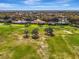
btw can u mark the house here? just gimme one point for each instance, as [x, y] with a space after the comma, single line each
[74, 21]
[38, 21]
[63, 20]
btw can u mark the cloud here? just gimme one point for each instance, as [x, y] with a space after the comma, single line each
[53, 2]
[63, 1]
[37, 5]
[7, 6]
[31, 2]
[66, 5]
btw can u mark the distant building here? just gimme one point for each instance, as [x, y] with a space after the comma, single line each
[75, 21]
[38, 21]
[63, 20]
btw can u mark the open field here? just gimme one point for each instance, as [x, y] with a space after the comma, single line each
[64, 45]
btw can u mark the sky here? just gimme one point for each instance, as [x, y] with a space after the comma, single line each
[39, 4]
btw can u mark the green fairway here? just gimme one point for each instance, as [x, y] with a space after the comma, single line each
[63, 45]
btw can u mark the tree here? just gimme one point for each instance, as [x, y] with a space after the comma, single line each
[28, 21]
[7, 20]
[26, 34]
[35, 33]
[49, 31]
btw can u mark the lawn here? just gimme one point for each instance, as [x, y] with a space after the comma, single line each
[64, 45]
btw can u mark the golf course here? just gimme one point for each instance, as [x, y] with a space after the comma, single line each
[64, 44]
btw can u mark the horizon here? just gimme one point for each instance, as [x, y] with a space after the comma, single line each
[41, 10]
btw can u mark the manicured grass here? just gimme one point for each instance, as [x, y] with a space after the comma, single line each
[24, 51]
[60, 46]
[73, 39]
